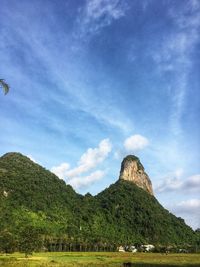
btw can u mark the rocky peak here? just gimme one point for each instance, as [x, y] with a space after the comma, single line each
[132, 170]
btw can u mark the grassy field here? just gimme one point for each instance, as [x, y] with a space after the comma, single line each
[101, 259]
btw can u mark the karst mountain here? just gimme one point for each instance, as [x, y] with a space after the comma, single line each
[126, 212]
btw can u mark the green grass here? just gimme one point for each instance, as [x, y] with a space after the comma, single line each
[99, 259]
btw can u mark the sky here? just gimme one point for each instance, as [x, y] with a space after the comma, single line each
[92, 81]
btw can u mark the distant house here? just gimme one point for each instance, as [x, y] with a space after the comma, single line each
[183, 250]
[132, 249]
[5, 193]
[121, 249]
[148, 247]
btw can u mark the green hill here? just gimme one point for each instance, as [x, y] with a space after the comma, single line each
[33, 200]
[138, 216]
[27, 183]
[30, 194]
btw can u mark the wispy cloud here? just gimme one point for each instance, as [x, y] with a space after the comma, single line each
[190, 210]
[171, 182]
[61, 170]
[178, 184]
[189, 206]
[91, 158]
[67, 85]
[84, 181]
[96, 9]
[88, 161]
[97, 14]
[174, 55]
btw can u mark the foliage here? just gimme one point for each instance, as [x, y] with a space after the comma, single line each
[4, 86]
[197, 232]
[138, 216]
[37, 206]
[7, 241]
[30, 240]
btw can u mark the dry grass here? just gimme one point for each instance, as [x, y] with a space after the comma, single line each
[101, 259]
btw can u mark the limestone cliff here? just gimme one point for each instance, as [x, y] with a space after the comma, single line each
[132, 170]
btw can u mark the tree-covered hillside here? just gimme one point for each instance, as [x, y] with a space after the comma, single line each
[31, 195]
[39, 209]
[138, 216]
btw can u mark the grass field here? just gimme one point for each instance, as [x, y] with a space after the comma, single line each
[99, 259]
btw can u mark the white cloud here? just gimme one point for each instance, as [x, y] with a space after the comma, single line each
[193, 183]
[31, 158]
[82, 181]
[189, 210]
[98, 8]
[135, 143]
[195, 4]
[91, 158]
[61, 170]
[88, 161]
[100, 13]
[176, 183]
[170, 184]
[178, 173]
[189, 206]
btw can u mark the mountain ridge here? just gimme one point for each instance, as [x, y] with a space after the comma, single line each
[123, 213]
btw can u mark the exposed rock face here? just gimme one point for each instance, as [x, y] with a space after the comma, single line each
[132, 170]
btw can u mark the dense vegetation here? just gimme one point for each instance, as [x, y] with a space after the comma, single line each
[4, 86]
[39, 211]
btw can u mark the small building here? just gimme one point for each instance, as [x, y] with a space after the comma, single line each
[133, 249]
[121, 249]
[5, 193]
[148, 247]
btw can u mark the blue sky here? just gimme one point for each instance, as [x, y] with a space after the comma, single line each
[94, 80]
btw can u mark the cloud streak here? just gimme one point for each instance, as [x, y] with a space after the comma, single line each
[92, 158]
[84, 181]
[61, 170]
[189, 206]
[175, 57]
[73, 93]
[98, 14]
[189, 185]
[190, 210]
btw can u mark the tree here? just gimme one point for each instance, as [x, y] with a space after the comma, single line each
[7, 241]
[30, 240]
[4, 86]
[197, 232]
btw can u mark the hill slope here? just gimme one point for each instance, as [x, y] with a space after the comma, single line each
[139, 217]
[122, 214]
[27, 183]
[30, 192]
